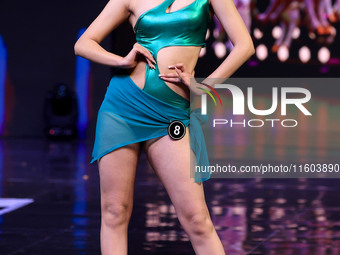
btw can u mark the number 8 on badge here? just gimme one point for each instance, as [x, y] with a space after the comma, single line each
[176, 130]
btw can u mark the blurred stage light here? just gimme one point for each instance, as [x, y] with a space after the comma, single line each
[202, 52]
[220, 50]
[216, 33]
[277, 32]
[283, 53]
[296, 33]
[304, 54]
[258, 33]
[333, 31]
[312, 35]
[3, 76]
[261, 52]
[324, 55]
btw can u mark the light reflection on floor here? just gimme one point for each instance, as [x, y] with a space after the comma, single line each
[252, 216]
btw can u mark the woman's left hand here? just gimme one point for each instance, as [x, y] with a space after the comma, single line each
[181, 75]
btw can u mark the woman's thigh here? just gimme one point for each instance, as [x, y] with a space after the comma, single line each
[170, 160]
[117, 171]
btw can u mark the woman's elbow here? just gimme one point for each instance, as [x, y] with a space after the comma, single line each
[246, 47]
[250, 48]
[76, 48]
[79, 46]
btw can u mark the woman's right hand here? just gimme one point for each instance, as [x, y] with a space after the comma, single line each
[130, 60]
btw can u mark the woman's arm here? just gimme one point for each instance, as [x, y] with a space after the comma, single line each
[88, 45]
[234, 26]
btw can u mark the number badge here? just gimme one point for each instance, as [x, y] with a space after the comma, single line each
[176, 130]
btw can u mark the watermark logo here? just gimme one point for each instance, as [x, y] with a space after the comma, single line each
[238, 108]
[208, 92]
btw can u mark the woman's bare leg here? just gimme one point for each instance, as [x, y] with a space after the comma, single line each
[117, 176]
[171, 161]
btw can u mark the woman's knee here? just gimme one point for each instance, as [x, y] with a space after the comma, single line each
[197, 223]
[115, 214]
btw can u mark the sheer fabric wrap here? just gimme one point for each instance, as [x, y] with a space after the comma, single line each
[129, 115]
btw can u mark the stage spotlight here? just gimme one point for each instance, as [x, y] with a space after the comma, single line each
[296, 33]
[277, 32]
[324, 55]
[304, 54]
[220, 50]
[258, 34]
[207, 35]
[216, 33]
[60, 112]
[283, 53]
[333, 31]
[312, 35]
[261, 52]
[202, 52]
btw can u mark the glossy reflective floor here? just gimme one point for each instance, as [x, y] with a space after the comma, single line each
[59, 213]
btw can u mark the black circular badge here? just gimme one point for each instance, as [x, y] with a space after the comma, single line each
[176, 130]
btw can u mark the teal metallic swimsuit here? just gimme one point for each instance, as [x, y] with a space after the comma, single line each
[129, 114]
[156, 29]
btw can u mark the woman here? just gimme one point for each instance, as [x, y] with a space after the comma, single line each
[170, 34]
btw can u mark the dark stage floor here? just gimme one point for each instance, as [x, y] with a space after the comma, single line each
[54, 208]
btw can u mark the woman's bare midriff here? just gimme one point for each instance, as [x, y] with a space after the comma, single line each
[188, 55]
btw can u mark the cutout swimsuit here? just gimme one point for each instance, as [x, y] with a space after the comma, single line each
[156, 29]
[129, 114]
